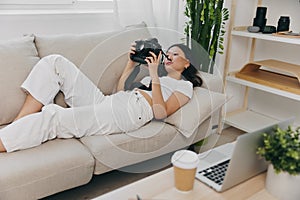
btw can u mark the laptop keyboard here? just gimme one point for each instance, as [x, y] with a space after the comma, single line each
[216, 173]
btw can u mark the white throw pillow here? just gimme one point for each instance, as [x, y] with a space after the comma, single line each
[17, 57]
[203, 103]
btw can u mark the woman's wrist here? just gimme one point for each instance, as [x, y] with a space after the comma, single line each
[153, 72]
[155, 80]
[130, 63]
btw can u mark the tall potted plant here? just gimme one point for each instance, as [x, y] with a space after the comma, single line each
[282, 150]
[205, 30]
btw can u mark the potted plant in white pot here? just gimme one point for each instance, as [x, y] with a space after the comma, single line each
[282, 150]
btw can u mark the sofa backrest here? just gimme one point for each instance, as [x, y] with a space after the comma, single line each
[101, 56]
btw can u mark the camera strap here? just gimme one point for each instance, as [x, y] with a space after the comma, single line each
[131, 77]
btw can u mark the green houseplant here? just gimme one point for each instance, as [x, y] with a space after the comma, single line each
[282, 150]
[205, 30]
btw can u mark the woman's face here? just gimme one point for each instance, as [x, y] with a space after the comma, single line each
[177, 61]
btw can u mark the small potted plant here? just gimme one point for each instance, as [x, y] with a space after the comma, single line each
[282, 150]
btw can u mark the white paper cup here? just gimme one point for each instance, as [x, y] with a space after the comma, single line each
[185, 163]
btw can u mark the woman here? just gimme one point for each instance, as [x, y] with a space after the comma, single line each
[91, 112]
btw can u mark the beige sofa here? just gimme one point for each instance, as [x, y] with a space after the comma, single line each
[61, 164]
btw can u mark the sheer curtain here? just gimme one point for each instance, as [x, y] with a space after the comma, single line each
[155, 13]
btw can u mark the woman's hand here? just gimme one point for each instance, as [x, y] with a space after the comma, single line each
[153, 62]
[131, 51]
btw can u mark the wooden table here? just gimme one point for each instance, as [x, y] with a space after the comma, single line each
[160, 186]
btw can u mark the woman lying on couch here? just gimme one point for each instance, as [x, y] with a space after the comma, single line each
[91, 112]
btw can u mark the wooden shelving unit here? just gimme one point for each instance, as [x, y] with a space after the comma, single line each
[272, 76]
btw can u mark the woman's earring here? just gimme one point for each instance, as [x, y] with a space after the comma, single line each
[188, 64]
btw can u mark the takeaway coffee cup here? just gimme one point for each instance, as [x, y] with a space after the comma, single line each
[184, 164]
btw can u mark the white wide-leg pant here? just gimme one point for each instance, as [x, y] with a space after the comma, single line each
[90, 112]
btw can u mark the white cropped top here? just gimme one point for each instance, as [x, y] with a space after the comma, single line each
[170, 85]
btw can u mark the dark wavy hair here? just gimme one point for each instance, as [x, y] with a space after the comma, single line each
[191, 73]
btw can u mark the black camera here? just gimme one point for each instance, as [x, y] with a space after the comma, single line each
[143, 48]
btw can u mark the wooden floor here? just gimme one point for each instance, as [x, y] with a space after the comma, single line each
[104, 183]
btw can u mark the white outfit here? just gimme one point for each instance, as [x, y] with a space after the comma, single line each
[91, 112]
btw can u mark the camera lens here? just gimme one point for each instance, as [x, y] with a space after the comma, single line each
[283, 23]
[140, 47]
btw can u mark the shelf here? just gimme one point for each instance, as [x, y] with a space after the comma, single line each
[269, 37]
[268, 89]
[254, 72]
[249, 121]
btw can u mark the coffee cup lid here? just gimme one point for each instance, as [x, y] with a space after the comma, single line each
[185, 159]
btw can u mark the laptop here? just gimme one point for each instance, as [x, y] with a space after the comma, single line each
[230, 164]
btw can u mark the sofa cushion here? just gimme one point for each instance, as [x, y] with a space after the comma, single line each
[150, 141]
[203, 103]
[52, 167]
[118, 150]
[75, 47]
[17, 57]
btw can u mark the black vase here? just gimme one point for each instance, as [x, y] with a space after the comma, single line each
[260, 18]
[283, 24]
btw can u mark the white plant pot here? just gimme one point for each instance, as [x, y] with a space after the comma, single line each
[283, 185]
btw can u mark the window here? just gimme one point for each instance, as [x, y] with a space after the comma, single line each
[36, 2]
[63, 6]
[51, 2]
